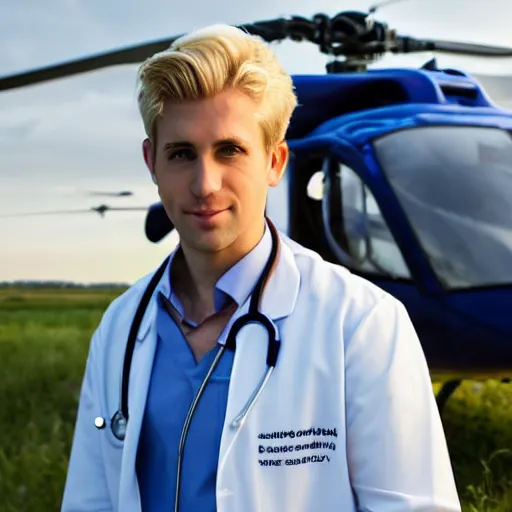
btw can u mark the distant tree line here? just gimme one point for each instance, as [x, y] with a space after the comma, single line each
[60, 284]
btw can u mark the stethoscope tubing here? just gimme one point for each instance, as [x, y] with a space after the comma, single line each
[119, 420]
[188, 420]
[253, 316]
[132, 337]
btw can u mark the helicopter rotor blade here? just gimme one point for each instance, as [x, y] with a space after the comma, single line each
[128, 55]
[125, 209]
[348, 33]
[102, 209]
[37, 214]
[410, 44]
[473, 49]
[271, 30]
[122, 193]
[384, 3]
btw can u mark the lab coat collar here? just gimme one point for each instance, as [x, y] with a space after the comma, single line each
[278, 300]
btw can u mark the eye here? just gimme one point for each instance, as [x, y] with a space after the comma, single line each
[230, 151]
[181, 154]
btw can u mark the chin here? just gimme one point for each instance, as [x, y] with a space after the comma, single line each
[211, 242]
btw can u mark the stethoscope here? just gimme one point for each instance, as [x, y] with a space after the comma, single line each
[119, 421]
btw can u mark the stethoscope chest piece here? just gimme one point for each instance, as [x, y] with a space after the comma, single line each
[119, 424]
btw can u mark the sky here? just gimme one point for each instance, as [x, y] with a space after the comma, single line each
[63, 139]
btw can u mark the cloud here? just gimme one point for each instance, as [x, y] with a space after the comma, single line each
[62, 138]
[51, 29]
[84, 132]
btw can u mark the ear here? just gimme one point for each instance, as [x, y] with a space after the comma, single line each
[149, 153]
[279, 159]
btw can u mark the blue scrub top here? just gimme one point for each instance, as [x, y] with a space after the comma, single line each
[175, 380]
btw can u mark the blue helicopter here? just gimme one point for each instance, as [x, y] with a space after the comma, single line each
[404, 176]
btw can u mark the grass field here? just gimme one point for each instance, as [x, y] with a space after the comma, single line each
[44, 337]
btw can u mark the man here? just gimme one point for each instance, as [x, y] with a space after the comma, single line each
[347, 419]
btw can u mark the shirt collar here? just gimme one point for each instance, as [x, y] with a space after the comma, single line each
[239, 281]
[236, 283]
[279, 298]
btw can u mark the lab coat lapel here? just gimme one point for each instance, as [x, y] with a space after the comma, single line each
[249, 366]
[129, 498]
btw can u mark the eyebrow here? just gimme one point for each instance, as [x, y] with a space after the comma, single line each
[235, 141]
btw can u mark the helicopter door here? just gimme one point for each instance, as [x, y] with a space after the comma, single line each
[355, 229]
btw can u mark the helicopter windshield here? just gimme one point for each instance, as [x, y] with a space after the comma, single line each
[455, 185]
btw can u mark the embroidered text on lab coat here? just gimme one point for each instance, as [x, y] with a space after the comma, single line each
[300, 433]
[299, 446]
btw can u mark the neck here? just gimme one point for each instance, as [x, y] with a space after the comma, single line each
[199, 271]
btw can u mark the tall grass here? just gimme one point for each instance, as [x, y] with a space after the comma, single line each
[44, 338]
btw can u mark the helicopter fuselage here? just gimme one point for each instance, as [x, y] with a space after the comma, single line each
[413, 174]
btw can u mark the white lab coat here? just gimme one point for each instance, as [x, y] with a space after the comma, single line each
[350, 400]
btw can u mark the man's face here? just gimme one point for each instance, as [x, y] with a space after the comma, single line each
[213, 171]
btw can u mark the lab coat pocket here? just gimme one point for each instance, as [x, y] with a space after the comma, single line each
[112, 452]
[113, 442]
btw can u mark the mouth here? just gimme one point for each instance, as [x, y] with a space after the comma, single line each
[206, 212]
[205, 215]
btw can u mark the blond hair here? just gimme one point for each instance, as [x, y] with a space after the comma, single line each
[210, 60]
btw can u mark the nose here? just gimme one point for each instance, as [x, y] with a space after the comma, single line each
[207, 177]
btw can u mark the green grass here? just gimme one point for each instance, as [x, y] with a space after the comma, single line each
[44, 338]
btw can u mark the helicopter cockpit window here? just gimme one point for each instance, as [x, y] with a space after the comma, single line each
[360, 231]
[455, 185]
